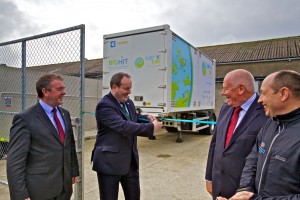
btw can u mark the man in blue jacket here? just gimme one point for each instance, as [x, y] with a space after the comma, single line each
[115, 156]
[272, 169]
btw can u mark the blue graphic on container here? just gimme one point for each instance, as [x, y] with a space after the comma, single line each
[182, 74]
[113, 44]
[139, 62]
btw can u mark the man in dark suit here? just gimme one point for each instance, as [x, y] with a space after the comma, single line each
[232, 142]
[115, 156]
[41, 161]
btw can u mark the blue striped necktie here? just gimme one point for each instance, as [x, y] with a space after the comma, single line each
[123, 105]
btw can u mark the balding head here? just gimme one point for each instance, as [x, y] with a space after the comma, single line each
[280, 93]
[238, 87]
[286, 78]
[241, 77]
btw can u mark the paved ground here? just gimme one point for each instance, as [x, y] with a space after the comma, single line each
[168, 170]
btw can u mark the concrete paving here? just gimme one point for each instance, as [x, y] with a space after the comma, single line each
[168, 170]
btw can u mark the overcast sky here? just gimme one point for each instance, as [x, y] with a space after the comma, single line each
[200, 22]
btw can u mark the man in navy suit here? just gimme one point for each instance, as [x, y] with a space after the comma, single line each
[115, 155]
[226, 161]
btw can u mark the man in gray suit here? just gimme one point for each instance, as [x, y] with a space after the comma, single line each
[234, 135]
[41, 161]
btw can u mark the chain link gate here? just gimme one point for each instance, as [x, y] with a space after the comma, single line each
[22, 62]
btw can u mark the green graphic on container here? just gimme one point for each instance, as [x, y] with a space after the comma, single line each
[139, 62]
[182, 74]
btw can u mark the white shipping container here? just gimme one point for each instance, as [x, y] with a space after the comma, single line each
[171, 78]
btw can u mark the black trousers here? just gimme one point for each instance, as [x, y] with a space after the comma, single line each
[63, 196]
[109, 185]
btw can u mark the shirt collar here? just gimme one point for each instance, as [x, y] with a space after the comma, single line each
[45, 106]
[246, 105]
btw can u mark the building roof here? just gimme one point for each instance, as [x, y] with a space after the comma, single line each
[93, 68]
[263, 50]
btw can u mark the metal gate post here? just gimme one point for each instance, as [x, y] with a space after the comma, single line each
[78, 194]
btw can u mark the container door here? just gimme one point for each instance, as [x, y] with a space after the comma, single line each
[117, 58]
[142, 56]
[148, 70]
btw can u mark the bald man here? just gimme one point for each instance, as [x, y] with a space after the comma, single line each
[272, 168]
[234, 135]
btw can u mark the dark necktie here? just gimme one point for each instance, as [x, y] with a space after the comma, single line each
[232, 125]
[59, 126]
[125, 111]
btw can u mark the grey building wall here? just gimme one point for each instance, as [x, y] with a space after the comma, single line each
[93, 93]
[258, 69]
[11, 88]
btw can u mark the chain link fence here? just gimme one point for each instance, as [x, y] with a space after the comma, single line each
[22, 62]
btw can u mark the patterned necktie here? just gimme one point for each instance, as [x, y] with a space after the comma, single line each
[125, 111]
[59, 126]
[232, 125]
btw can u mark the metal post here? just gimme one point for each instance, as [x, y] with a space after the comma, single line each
[82, 104]
[23, 75]
[78, 193]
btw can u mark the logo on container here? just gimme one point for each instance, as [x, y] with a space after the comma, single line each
[154, 59]
[121, 61]
[139, 62]
[115, 43]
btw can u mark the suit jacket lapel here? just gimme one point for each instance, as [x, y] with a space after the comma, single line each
[117, 104]
[248, 118]
[46, 121]
[227, 120]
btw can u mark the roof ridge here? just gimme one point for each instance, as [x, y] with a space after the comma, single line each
[256, 41]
